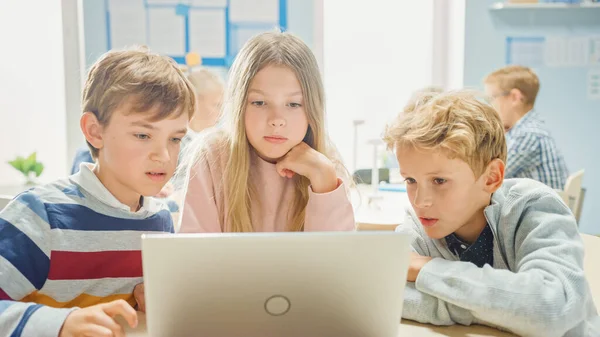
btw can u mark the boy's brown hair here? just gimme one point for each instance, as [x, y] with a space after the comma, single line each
[516, 77]
[456, 122]
[137, 76]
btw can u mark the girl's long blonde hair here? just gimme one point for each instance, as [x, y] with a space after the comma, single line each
[271, 48]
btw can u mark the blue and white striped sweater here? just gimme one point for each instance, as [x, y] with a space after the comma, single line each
[69, 244]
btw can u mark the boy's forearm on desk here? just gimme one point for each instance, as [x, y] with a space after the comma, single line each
[492, 295]
[424, 308]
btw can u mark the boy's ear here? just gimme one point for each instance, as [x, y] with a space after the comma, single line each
[494, 175]
[516, 95]
[92, 129]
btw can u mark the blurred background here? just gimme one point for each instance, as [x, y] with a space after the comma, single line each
[373, 56]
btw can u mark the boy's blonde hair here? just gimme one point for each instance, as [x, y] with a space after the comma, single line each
[457, 123]
[421, 96]
[205, 81]
[271, 48]
[146, 80]
[516, 77]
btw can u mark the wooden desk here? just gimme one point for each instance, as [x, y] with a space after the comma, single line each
[407, 328]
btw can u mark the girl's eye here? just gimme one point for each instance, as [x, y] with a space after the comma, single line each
[258, 103]
[176, 140]
[439, 181]
[409, 181]
[294, 105]
[141, 136]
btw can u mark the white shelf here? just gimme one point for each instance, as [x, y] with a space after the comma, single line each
[557, 5]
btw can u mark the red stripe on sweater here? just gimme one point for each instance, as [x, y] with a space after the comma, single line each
[95, 265]
[4, 296]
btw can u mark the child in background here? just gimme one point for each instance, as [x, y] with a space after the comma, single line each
[271, 166]
[532, 152]
[75, 243]
[209, 97]
[504, 253]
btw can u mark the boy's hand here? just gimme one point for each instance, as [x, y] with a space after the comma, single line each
[138, 294]
[416, 263]
[98, 320]
[306, 161]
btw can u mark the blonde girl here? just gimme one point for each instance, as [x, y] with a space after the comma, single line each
[270, 167]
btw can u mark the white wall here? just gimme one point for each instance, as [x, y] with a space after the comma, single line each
[32, 87]
[448, 43]
[376, 53]
[74, 74]
[456, 50]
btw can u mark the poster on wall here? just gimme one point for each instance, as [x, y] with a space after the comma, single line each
[595, 50]
[215, 29]
[127, 26]
[594, 84]
[526, 51]
[553, 51]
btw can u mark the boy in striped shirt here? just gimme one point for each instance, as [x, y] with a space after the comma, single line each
[75, 243]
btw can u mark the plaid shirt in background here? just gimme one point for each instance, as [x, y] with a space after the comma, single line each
[532, 153]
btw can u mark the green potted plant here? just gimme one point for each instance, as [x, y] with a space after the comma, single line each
[29, 166]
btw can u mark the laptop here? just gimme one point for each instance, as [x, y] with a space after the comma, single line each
[322, 284]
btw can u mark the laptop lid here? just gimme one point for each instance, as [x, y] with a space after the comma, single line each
[275, 284]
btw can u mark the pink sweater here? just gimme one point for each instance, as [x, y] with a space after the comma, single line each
[205, 208]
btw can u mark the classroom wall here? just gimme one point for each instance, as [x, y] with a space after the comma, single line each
[32, 87]
[571, 117]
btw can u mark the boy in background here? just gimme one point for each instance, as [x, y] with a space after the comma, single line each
[532, 152]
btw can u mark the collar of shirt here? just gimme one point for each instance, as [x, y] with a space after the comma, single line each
[87, 179]
[479, 253]
[531, 116]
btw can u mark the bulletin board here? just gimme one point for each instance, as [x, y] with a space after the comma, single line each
[568, 51]
[215, 29]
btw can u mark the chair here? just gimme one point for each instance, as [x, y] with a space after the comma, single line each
[580, 204]
[573, 193]
[590, 264]
[363, 176]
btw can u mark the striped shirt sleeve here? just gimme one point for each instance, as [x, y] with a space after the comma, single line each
[24, 266]
[24, 247]
[553, 171]
[29, 319]
[523, 153]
